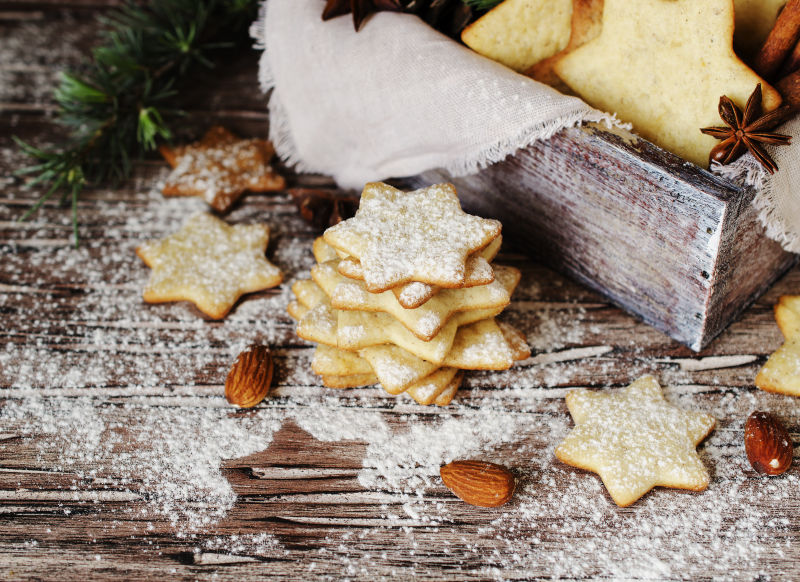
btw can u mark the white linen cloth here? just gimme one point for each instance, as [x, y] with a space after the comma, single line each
[398, 98]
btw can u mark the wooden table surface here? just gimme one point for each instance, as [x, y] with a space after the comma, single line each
[119, 456]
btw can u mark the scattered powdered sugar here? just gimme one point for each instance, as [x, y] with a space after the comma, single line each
[30, 60]
[103, 393]
[170, 458]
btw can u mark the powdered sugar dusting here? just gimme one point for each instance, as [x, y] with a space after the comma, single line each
[438, 236]
[127, 397]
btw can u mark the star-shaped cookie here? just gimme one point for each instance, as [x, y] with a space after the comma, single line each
[220, 168]
[400, 237]
[781, 373]
[426, 320]
[635, 440]
[209, 263]
[663, 65]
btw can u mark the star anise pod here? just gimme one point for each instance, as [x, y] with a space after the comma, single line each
[747, 131]
[323, 208]
[360, 9]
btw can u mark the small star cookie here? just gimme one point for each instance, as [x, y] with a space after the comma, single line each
[635, 440]
[663, 65]
[220, 168]
[781, 373]
[400, 237]
[209, 263]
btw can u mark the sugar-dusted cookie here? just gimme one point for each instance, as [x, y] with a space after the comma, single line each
[482, 345]
[354, 330]
[323, 252]
[781, 373]
[220, 168]
[520, 33]
[209, 263]
[328, 361]
[635, 440]
[360, 329]
[350, 381]
[399, 237]
[445, 397]
[663, 65]
[438, 388]
[425, 321]
[412, 295]
[787, 314]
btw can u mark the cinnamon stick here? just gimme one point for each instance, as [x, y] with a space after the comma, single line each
[789, 88]
[781, 40]
[792, 62]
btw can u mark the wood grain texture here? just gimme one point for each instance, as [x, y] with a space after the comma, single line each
[76, 339]
[692, 254]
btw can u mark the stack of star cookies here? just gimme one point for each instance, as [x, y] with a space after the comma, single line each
[404, 294]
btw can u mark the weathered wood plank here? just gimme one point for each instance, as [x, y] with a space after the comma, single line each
[692, 255]
[105, 400]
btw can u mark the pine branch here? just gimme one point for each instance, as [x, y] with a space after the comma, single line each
[482, 4]
[116, 109]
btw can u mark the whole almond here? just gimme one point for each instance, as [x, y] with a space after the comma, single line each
[478, 482]
[250, 377]
[767, 444]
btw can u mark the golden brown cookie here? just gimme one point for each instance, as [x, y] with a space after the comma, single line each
[209, 263]
[520, 33]
[399, 237]
[635, 440]
[425, 321]
[415, 294]
[781, 373]
[220, 168]
[663, 65]
[787, 314]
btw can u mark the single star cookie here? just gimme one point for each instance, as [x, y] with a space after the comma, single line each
[787, 314]
[781, 373]
[400, 237]
[209, 263]
[478, 271]
[635, 440]
[520, 33]
[220, 168]
[663, 65]
[425, 321]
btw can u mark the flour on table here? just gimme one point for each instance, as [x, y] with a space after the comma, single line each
[103, 393]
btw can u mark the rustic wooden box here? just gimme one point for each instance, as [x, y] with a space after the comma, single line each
[664, 239]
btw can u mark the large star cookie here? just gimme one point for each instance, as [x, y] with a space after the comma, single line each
[781, 373]
[209, 263]
[635, 440]
[411, 236]
[220, 168]
[663, 65]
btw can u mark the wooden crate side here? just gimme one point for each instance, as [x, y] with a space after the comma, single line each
[636, 223]
[749, 263]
